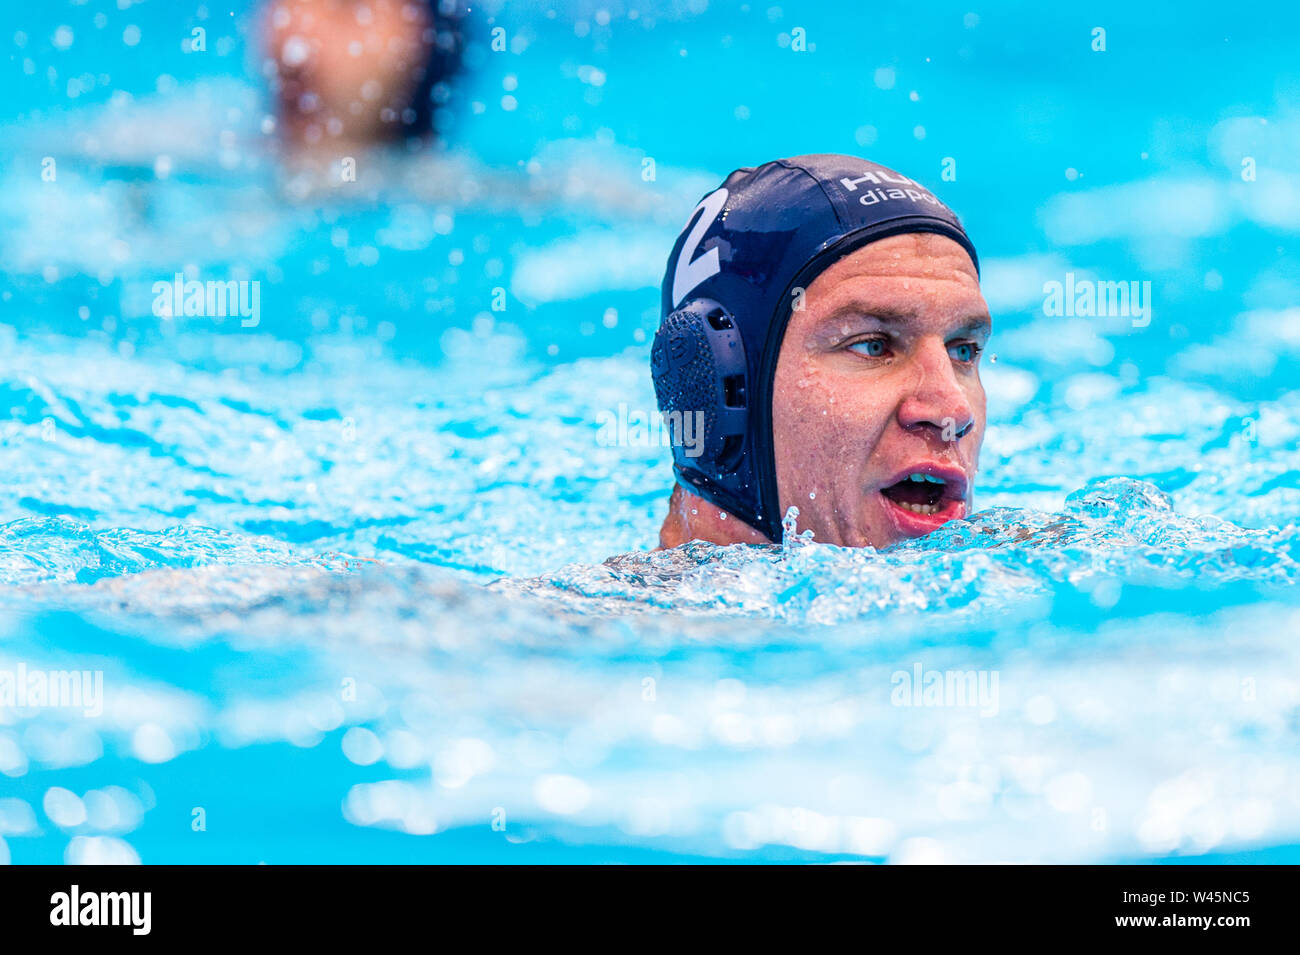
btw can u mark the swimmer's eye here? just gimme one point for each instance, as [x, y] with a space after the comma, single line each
[871, 348]
[964, 352]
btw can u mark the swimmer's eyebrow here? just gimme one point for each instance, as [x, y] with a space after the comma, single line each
[976, 326]
[979, 326]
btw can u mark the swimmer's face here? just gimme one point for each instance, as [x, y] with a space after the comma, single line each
[877, 380]
[347, 70]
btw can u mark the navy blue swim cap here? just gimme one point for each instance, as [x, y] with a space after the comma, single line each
[747, 250]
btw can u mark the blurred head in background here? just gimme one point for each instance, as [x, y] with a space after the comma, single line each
[359, 72]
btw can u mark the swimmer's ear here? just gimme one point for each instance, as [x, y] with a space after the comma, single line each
[700, 377]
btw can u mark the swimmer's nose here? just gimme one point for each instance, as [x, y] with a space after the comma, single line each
[936, 401]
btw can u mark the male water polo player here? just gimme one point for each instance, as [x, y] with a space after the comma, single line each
[824, 315]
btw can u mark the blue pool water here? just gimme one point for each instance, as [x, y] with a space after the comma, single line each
[344, 573]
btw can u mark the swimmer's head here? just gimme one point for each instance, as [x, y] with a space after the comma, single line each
[822, 316]
[359, 72]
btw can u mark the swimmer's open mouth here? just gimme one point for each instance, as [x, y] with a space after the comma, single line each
[919, 493]
[926, 496]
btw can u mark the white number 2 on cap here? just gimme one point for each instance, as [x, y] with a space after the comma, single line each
[691, 271]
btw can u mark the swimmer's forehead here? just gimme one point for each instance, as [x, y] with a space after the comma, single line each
[893, 282]
[922, 254]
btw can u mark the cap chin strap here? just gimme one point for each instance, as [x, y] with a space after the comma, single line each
[700, 486]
